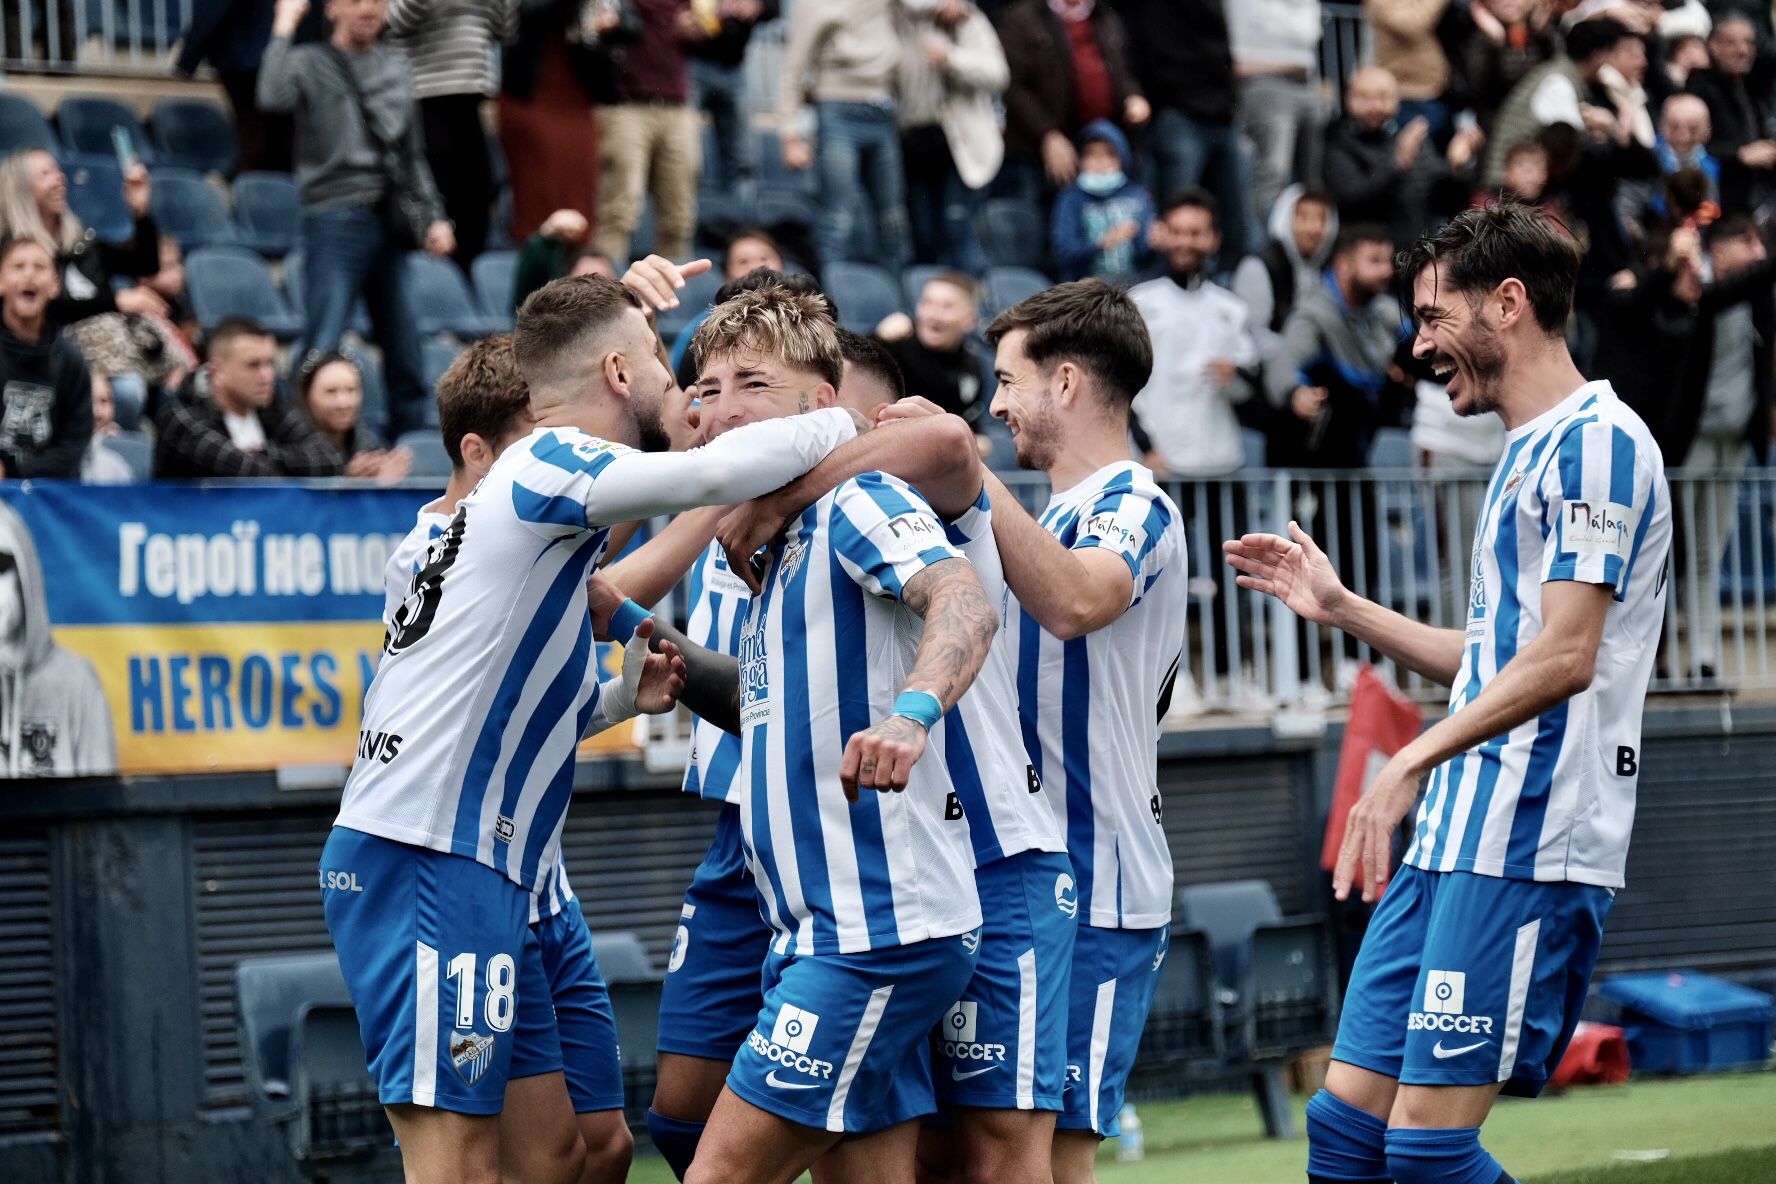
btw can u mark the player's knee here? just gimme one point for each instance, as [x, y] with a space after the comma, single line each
[1450, 1155]
[545, 1160]
[608, 1154]
[1007, 1149]
[1343, 1141]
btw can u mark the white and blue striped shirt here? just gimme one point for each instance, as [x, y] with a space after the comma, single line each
[823, 655]
[1091, 706]
[484, 689]
[1580, 494]
[719, 600]
[404, 564]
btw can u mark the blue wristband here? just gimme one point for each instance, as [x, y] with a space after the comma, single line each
[625, 620]
[922, 707]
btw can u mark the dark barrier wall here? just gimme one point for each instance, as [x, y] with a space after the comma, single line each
[124, 907]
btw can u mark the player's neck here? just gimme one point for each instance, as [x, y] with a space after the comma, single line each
[1537, 384]
[462, 483]
[1085, 453]
[604, 420]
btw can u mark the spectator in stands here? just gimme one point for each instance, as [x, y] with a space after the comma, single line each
[100, 465]
[1683, 57]
[169, 284]
[1069, 66]
[751, 249]
[1495, 44]
[1184, 59]
[718, 82]
[556, 249]
[1205, 356]
[845, 53]
[1684, 132]
[1738, 112]
[1100, 222]
[650, 137]
[367, 192]
[872, 377]
[952, 72]
[231, 36]
[330, 391]
[227, 422]
[1406, 45]
[45, 388]
[450, 51]
[1526, 179]
[937, 355]
[1276, 56]
[1303, 225]
[34, 204]
[1382, 171]
[563, 61]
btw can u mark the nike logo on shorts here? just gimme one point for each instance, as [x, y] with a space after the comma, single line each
[957, 1074]
[1443, 1054]
[771, 1080]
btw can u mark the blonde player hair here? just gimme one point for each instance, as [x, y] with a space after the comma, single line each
[796, 328]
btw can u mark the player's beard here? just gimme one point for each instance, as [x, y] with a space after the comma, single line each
[1486, 368]
[1036, 437]
[650, 428]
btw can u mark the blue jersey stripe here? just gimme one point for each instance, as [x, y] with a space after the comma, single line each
[965, 778]
[1537, 788]
[875, 881]
[760, 757]
[548, 510]
[1028, 679]
[555, 800]
[1076, 757]
[798, 753]
[1640, 532]
[851, 542]
[552, 706]
[568, 584]
[551, 449]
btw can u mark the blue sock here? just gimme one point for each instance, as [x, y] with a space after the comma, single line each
[1344, 1143]
[675, 1139]
[1448, 1156]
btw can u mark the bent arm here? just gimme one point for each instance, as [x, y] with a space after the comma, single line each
[712, 680]
[1069, 592]
[655, 567]
[960, 623]
[279, 86]
[737, 466]
[1551, 669]
[935, 455]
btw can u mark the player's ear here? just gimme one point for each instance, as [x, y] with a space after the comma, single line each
[1513, 302]
[616, 374]
[825, 395]
[1067, 387]
[477, 454]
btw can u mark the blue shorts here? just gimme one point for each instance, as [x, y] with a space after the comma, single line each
[843, 1040]
[1003, 1046]
[1471, 980]
[712, 993]
[1115, 972]
[443, 969]
[581, 1014]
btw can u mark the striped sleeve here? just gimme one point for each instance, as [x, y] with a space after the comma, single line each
[883, 533]
[974, 522]
[1594, 495]
[1130, 522]
[552, 489]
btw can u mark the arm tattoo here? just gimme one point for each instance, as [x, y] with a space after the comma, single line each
[712, 680]
[959, 626]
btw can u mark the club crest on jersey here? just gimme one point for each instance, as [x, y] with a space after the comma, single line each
[1066, 895]
[793, 555]
[472, 1054]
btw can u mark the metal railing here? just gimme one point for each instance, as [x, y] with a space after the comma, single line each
[62, 36]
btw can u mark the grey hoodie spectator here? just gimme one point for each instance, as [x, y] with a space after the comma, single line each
[1303, 227]
[1276, 56]
[54, 720]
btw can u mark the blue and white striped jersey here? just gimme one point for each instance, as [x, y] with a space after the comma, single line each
[484, 691]
[1091, 706]
[404, 563]
[1579, 494]
[823, 655]
[719, 600]
[1003, 800]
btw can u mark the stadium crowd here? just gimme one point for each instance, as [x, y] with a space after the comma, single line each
[929, 161]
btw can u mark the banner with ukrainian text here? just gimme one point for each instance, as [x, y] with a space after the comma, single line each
[185, 628]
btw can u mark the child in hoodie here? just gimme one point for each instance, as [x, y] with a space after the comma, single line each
[45, 390]
[1100, 222]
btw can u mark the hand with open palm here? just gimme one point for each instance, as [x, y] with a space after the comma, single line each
[1294, 570]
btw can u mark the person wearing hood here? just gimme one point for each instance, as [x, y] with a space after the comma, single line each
[1385, 172]
[1303, 223]
[1101, 221]
[54, 721]
[45, 387]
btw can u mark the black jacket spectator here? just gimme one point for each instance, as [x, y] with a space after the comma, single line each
[728, 47]
[1043, 94]
[1755, 285]
[1739, 119]
[1369, 186]
[1483, 68]
[1181, 54]
[194, 442]
[45, 405]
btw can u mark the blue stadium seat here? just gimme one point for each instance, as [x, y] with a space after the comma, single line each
[1006, 286]
[435, 356]
[914, 279]
[231, 282]
[641, 243]
[136, 450]
[864, 293]
[267, 212]
[697, 294]
[95, 194]
[86, 124]
[22, 126]
[492, 273]
[269, 996]
[777, 206]
[720, 213]
[293, 280]
[429, 457]
[1012, 233]
[440, 299]
[190, 134]
[622, 958]
[188, 207]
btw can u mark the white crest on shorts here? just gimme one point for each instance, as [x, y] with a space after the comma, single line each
[472, 1054]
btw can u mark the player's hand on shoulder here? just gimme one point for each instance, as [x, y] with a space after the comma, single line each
[882, 756]
[746, 528]
[1294, 570]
